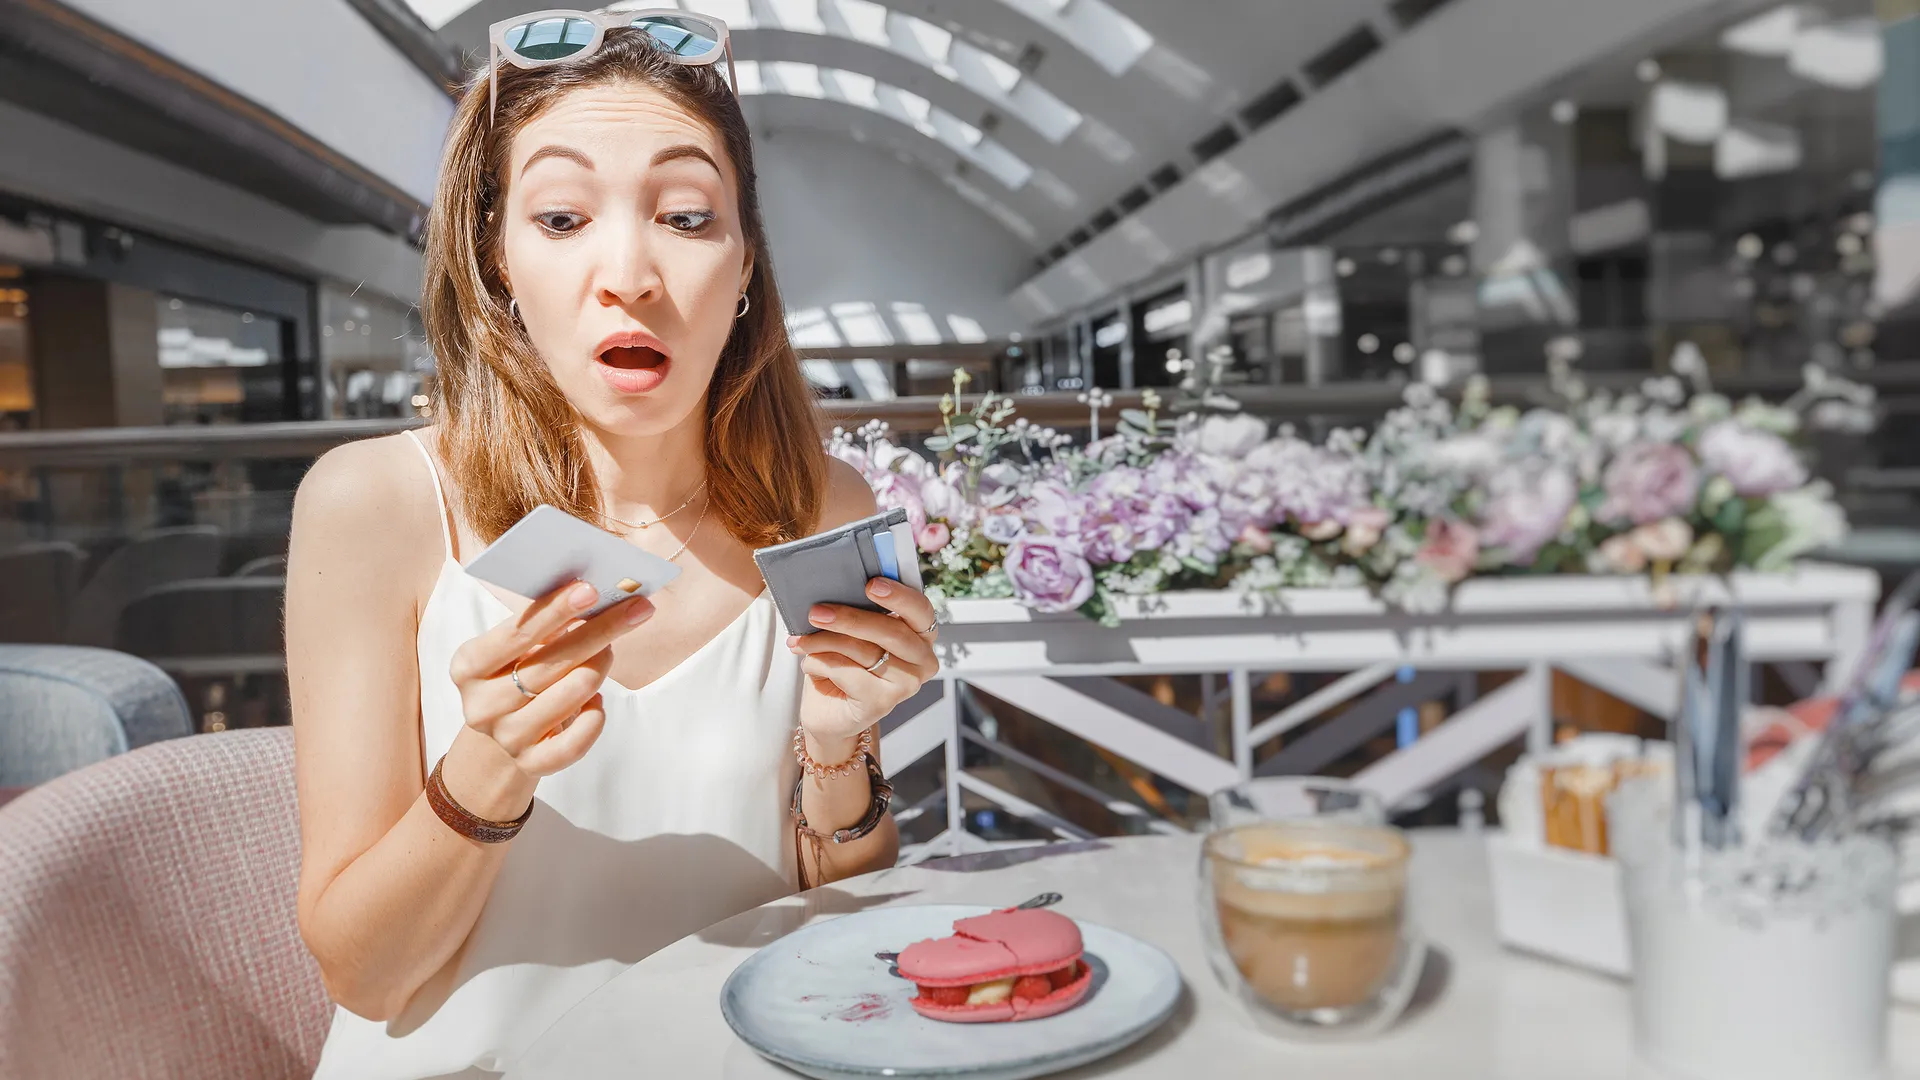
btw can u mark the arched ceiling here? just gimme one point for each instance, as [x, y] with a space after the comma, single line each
[1100, 101]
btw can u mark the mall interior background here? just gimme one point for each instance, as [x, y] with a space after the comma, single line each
[210, 215]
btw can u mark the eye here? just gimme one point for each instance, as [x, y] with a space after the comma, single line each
[560, 222]
[691, 222]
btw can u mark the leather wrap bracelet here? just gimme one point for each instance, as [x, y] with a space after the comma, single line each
[460, 820]
[876, 808]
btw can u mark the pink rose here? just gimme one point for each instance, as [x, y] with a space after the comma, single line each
[1649, 481]
[1257, 539]
[1664, 541]
[896, 490]
[1365, 526]
[1320, 530]
[1451, 549]
[933, 537]
[1622, 554]
[1526, 508]
[1757, 463]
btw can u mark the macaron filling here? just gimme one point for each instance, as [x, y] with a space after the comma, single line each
[1006, 965]
[996, 991]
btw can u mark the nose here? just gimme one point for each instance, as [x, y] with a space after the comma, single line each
[629, 274]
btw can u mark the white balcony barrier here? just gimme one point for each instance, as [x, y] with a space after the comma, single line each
[1616, 634]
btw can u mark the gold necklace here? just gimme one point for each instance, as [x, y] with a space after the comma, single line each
[649, 524]
[695, 531]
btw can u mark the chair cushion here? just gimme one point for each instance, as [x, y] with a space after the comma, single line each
[147, 918]
[62, 707]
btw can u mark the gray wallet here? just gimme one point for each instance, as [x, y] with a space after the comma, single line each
[834, 567]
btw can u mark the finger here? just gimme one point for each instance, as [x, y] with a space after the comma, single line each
[889, 633]
[910, 605]
[569, 744]
[497, 649]
[558, 703]
[853, 680]
[540, 668]
[498, 698]
[863, 653]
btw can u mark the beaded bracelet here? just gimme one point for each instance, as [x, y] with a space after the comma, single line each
[881, 799]
[465, 822]
[862, 751]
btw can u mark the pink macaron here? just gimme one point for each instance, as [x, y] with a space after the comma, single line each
[1008, 965]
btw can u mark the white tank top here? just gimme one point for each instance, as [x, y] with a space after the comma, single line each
[676, 819]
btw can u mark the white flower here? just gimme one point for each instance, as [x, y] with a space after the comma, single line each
[1616, 429]
[1229, 436]
[1471, 455]
[1810, 521]
[1002, 529]
[1760, 416]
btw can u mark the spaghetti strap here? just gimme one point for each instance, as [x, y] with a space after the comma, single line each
[439, 493]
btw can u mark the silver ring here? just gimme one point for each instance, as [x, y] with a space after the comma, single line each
[930, 626]
[878, 665]
[514, 674]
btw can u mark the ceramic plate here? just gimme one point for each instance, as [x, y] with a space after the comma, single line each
[819, 1003]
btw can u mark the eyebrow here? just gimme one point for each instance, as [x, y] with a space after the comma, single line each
[684, 151]
[567, 153]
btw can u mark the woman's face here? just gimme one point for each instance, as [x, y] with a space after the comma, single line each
[623, 244]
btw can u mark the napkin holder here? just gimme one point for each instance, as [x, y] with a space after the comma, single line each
[1552, 901]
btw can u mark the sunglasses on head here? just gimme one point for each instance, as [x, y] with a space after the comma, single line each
[543, 38]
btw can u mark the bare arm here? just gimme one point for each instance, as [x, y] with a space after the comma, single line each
[842, 698]
[387, 891]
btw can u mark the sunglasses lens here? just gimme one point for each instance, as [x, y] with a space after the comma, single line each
[680, 36]
[549, 39]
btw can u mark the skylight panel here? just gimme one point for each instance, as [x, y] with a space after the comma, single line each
[855, 88]
[950, 129]
[748, 72]
[1001, 164]
[932, 41]
[1004, 75]
[914, 321]
[802, 16]
[864, 92]
[865, 20]
[1114, 41]
[800, 80]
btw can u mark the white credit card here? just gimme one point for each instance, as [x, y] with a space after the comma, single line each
[908, 553]
[550, 547]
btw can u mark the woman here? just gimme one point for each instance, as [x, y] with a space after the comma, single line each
[500, 808]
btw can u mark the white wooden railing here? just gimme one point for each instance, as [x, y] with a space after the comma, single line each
[1616, 634]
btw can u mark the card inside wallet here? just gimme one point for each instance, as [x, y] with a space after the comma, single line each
[832, 567]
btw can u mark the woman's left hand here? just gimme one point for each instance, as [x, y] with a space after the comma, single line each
[852, 693]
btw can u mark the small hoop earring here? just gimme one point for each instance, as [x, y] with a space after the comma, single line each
[746, 304]
[513, 309]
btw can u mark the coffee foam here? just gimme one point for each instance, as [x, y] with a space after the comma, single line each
[1280, 873]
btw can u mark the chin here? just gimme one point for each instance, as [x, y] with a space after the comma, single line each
[635, 417]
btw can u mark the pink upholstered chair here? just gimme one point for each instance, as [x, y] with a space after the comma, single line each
[147, 924]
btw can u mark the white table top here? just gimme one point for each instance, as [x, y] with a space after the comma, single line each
[1482, 1012]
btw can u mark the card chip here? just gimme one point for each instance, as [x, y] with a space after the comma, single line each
[627, 585]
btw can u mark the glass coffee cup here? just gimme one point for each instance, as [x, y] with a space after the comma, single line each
[1305, 923]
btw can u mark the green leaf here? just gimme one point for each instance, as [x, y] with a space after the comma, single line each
[965, 431]
[1731, 517]
[939, 444]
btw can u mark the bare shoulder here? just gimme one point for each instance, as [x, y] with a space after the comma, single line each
[372, 499]
[849, 498]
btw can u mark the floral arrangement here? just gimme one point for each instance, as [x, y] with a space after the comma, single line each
[1673, 478]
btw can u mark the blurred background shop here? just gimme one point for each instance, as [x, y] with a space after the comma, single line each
[211, 214]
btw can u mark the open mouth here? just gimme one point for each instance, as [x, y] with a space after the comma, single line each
[632, 358]
[631, 367]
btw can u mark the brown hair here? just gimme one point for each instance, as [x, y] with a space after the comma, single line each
[511, 439]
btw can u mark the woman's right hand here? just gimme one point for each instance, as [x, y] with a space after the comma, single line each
[563, 670]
